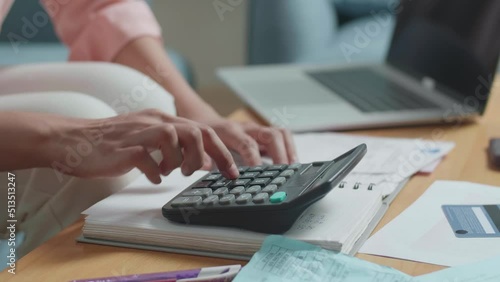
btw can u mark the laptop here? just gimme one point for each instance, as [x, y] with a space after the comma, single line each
[440, 68]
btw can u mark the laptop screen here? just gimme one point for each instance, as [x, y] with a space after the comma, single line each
[452, 45]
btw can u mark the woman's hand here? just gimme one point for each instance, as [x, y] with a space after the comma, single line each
[114, 146]
[250, 139]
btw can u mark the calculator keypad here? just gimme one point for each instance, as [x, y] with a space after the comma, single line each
[221, 183]
[279, 181]
[287, 173]
[187, 201]
[261, 181]
[211, 200]
[261, 198]
[250, 175]
[256, 185]
[221, 191]
[205, 192]
[270, 189]
[255, 189]
[227, 200]
[237, 190]
[240, 182]
[244, 198]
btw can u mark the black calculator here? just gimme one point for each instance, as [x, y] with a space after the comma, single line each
[265, 199]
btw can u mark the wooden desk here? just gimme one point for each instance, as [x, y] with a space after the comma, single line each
[62, 259]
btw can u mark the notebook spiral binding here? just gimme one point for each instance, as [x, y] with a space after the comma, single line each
[356, 185]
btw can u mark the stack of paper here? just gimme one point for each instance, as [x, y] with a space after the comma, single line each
[341, 221]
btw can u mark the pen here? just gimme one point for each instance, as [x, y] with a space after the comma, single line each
[221, 273]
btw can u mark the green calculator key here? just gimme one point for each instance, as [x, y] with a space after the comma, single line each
[278, 197]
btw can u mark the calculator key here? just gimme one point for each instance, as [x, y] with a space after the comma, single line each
[202, 184]
[261, 181]
[244, 198]
[240, 182]
[270, 189]
[242, 169]
[250, 175]
[237, 190]
[278, 197]
[257, 168]
[187, 201]
[211, 200]
[221, 183]
[227, 200]
[269, 173]
[261, 198]
[277, 167]
[279, 181]
[287, 173]
[221, 192]
[255, 189]
[295, 166]
[212, 177]
[205, 192]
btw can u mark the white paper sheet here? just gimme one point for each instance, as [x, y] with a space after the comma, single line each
[430, 168]
[422, 233]
[397, 157]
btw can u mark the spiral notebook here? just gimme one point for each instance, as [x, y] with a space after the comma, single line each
[341, 221]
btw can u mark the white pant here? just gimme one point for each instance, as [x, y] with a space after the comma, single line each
[45, 204]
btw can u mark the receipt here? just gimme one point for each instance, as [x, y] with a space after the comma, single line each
[283, 259]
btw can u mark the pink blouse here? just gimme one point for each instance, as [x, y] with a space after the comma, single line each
[96, 30]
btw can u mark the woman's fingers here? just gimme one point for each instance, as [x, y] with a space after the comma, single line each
[138, 156]
[289, 145]
[219, 153]
[185, 145]
[161, 137]
[277, 142]
[272, 140]
[237, 140]
[191, 141]
[215, 148]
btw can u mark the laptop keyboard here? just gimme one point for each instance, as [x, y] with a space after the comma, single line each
[371, 92]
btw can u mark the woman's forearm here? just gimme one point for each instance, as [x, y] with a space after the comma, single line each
[148, 56]
[23, 141]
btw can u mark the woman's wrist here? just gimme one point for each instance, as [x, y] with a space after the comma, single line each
[26, 143]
